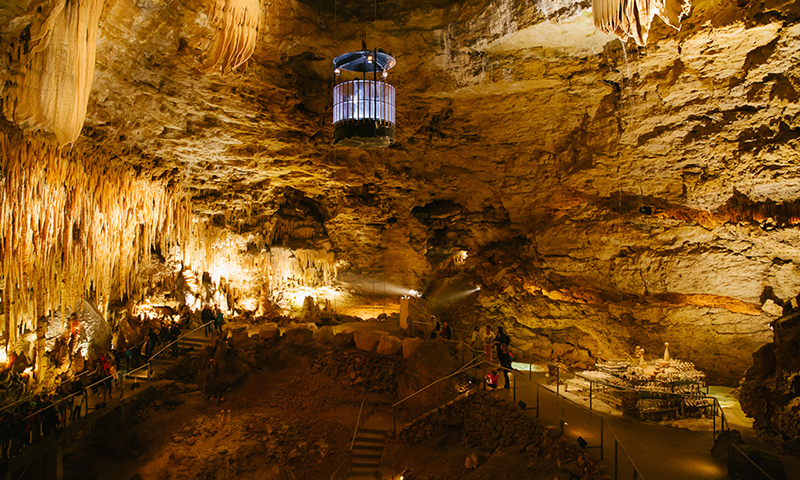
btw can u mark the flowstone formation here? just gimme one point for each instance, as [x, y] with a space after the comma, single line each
[607, 196]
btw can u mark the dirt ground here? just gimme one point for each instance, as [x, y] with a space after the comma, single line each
[291, 417]
[296, 417]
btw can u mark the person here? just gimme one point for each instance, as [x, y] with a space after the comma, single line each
[504, 356]
[79, 396]
[152, 340]
[446, 333]
[123, 361]
[501, 339]
[218, 321]
[174, 333]
[488, 343]
[491, 380]
[476, 334]
[207, 317]
[436, 326]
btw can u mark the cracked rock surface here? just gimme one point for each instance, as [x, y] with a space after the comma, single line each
[608, 196]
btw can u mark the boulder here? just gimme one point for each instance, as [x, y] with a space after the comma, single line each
[343, 340]
[324, 335]
[240, 335]
[389, 345]
[269, 331]
[410, 345]
[367, 341]
[299, 334]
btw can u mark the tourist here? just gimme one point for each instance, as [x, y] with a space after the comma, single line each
[436, 327]
[476, 335]
[50, 418]
[152, 340]
[174, 333]
[218, 321]
[207, 317]
[446, 333]
[491, 380]
[79, 396]
[123, 362]
[488, 343]
[504, 357]
[501, 339]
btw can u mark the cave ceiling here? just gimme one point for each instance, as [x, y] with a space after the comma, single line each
[577, 169]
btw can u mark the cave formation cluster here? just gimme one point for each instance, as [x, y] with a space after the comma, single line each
[604, 195]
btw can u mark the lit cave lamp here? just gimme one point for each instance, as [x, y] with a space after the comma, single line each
[364, 108]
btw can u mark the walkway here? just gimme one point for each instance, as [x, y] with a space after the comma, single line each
[659, 452]
[93, 406]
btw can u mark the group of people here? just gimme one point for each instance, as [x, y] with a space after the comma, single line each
[499, 343]
[212, 319]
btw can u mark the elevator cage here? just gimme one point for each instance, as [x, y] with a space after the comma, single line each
[364, 109]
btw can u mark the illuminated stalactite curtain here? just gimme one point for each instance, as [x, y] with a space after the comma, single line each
[55, 68]
[237, 23]
[632, 18]
[68, 223]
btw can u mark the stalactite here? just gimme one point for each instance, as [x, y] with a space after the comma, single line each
[632, 18]
[237, 24]
[70, 222]
[54, 73]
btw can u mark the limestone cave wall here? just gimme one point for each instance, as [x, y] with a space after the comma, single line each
[607, 195]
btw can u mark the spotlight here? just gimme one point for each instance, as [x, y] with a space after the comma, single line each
[385, 74]
[581, 442]
[369, 58]
[337, 71]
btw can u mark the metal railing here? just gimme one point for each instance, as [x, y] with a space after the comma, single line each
[74, 412]
[349, 454]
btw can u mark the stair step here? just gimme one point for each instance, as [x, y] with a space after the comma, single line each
[364, 469]
[362, 463]
[367, 454]
[356, 475]
[372, 430]
[368, 445]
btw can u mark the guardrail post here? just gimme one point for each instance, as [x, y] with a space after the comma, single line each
[590, 395]
[616, 459]
[515, 388]
[558, 379]
[601, 437]
[635, 473]
[537, 400]
[714, 422]
[530, 370]
[394, 419]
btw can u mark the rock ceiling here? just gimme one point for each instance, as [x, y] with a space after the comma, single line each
[608, 195]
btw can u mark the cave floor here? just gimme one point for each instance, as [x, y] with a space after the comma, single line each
[665, 451]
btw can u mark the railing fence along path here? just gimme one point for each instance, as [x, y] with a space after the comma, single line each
[71, 413]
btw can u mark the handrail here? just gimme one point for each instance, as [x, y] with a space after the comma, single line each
[600, 382]
[767, 475]
[353, 442]
[177, 340]
[460, 370]
[85, 389]
[616, 438]
[24, 399]
[358, 421]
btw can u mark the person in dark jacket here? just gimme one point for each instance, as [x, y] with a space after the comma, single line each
[504, 356]
[207, 318]
[446, 333]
